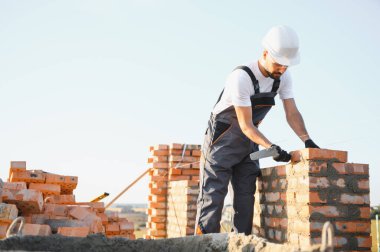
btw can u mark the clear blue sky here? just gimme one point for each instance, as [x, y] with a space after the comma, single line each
[87, 86]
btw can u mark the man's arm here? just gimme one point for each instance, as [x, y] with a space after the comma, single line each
[295, 120]
[244, 116]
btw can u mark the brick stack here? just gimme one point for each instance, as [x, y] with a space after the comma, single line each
[158, 184]
[182, 208]
[119, 227]
[47, 203]
[294, 201]
[174, 162]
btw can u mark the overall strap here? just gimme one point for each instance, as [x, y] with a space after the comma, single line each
[220, 97]
[255, 82]
[276, 85]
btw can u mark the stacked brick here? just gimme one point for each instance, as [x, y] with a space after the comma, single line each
[294, 201]
[182, 208]
[47, 204]
[174, 162]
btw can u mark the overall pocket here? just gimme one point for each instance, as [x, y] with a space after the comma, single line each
[220, 129]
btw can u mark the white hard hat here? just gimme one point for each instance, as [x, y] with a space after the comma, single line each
[282, 44]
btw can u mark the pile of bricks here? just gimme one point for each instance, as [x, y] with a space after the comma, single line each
[182, 208]
[293, 201]
[47, 204]
[174, 162]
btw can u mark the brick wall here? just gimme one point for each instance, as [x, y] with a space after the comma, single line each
[293, 201]
[173, 186]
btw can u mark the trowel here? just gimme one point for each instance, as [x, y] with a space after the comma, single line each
[270, 152]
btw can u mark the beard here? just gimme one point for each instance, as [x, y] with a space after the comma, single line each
[274, 75]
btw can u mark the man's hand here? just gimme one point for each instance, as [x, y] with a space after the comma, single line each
[310, 144]
[283, 155]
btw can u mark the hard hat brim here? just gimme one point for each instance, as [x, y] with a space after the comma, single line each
[286, 61]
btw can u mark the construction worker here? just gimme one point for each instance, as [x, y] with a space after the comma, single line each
[233, 134]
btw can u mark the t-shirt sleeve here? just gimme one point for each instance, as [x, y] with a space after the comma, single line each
[240, 88]
[286, 87]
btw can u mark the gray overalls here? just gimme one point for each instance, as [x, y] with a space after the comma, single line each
[225, 157]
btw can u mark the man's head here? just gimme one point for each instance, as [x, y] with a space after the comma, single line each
[281, 49]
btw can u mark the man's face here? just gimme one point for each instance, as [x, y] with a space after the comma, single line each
[274, 69]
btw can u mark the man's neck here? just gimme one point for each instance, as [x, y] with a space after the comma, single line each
[262, 69]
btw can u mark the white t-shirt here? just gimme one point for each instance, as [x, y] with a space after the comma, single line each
[239, 87]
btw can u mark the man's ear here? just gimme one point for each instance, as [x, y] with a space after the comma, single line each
[265, 53]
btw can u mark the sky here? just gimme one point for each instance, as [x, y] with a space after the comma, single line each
[87, 86]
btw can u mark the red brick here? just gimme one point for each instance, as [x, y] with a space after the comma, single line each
[54, 179]
[159, 147]
[315, 198]
[175, 171]
[338, 241]
[158, 178]
[157, 198]
[363, 184]
[36, 229]
[14, 185]
[71, 183]
[281, 170]
[190, 172]
[126, 227]
[178, 177]
[195, 178]
[18, 165]
[181, 165]
[3, 229]
[353, 226]
[179, 152]
[55, 209]
[64, 199]
[276, 222]
[78, 212]
[319, 182]
[196, 153]
[159, 233]
[159, 152]
[365, 212]
[158, 159]
[327, 211]
[158, 165]
[103, 217]
[28, 201]
[319, 154]
[27, 176]
[350, 168]
[8, 212]
[354, 199]
[157, 219]
[159, 172]
[364, 242]
[183, 159]
[112, 228]
[158, 191]
[46, 189]
[196, 165]
[272, 196]
[161, 205]
[74, 231]
[159, 184]
[158, 212]
[158, 226]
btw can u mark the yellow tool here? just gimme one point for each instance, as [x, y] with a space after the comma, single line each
[99, 198]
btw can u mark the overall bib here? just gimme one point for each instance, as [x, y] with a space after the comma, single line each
[225, 158]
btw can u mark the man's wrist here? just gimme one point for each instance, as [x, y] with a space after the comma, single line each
[304, 137]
